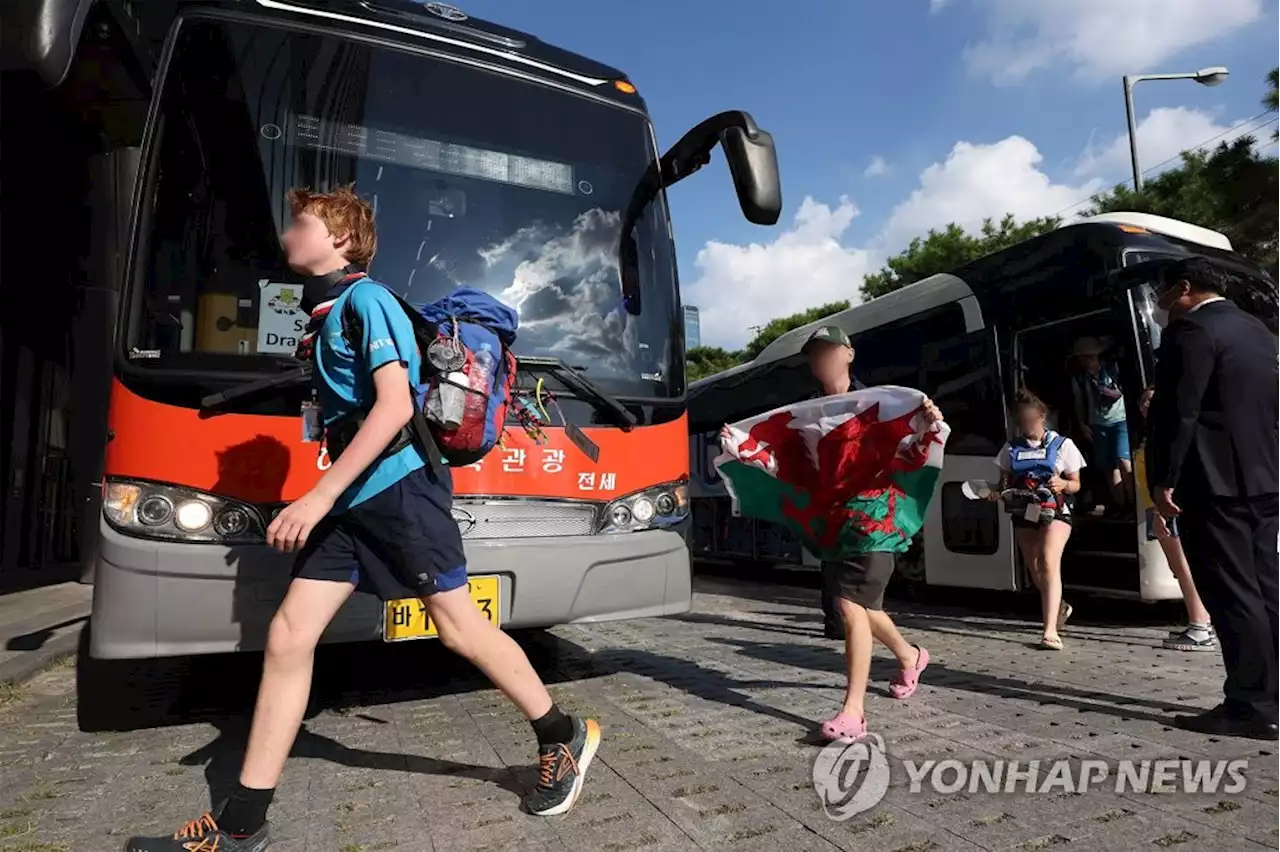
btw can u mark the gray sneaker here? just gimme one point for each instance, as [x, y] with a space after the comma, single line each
[1191, 639]
[561, 769]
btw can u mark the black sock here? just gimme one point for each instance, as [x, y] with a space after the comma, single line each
[555, 727]
[246, 811]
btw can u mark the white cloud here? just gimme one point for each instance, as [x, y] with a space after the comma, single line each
[936, 6]
[807, 265]
[1099, 38]
[878, 167]
[1161, 136]
[980, 181]
[741, 286]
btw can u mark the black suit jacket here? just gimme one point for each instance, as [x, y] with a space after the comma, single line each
[1213, 419]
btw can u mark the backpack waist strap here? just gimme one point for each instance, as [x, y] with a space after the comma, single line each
[339, 435]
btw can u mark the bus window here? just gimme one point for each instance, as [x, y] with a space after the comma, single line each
[958, 372]
[890, 354]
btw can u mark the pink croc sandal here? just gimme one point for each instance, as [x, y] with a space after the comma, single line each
[843, 728]
[904, 685]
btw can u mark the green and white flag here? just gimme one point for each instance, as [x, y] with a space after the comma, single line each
[848, 474]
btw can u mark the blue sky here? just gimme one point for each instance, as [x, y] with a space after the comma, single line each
[974, 107]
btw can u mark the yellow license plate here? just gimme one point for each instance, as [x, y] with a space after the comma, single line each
[407, 619]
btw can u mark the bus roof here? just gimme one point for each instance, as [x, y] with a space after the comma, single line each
[1160, 225]
[448, 28]
[928, 293]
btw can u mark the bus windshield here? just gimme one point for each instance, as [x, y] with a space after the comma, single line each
[478, 179]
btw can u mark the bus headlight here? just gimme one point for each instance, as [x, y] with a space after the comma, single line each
[151, 510]
[660, 506]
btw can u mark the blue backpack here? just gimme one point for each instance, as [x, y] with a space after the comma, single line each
[452, 333]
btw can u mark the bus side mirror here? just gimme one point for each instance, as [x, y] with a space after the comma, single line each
[753, 163]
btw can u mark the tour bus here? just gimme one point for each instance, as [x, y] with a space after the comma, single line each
[969, 339]
[493, 160]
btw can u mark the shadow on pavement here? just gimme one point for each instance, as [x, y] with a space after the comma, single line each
[222, 757]
[130, 695]
[939, 674]
[35, 640]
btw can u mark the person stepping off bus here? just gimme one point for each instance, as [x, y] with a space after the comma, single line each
[379, 518]
[1039, 460]
[856, 587]
[1099, 402]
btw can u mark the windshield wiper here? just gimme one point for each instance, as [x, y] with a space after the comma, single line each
[583, 387]
[297, 375]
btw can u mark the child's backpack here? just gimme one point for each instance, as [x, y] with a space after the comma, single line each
[468, 373]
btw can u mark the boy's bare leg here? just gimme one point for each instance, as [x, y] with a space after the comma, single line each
[857, 652]
[566, 745]
[465, 631]
[308, 607]
[886, 633]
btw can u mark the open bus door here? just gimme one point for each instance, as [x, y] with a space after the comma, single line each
[967, 543]
[1131, 296]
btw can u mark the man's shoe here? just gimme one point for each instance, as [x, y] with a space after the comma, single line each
[1219, 723]
[561, 769]
[201, 835]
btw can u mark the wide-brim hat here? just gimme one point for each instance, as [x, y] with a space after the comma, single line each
[1087, 346]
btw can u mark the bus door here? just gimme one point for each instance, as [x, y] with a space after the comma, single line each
[1133, 299]
[967, 543]
[1101, 554]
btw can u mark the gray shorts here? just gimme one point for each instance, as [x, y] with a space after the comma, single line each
[861, 579]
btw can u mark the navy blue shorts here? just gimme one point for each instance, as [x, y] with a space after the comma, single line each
[400, 543]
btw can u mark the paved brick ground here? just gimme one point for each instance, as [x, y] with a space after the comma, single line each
[707, 722]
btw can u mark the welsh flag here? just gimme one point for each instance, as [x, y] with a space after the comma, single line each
[848, 474]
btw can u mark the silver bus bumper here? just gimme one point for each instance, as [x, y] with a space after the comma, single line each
[162, 599]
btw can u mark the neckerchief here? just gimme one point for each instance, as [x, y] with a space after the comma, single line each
[307, 343]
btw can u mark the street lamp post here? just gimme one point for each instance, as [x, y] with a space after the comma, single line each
[1213, 76]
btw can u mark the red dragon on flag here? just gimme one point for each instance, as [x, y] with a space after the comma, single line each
[848, 473]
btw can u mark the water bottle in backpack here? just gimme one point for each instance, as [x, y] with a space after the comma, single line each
[447, 401]
[479, 378]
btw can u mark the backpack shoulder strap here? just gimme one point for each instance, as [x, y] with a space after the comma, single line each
[352, 327]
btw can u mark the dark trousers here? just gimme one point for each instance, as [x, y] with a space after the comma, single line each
[1231, 547]
[830, 611]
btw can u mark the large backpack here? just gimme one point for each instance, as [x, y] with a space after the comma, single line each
[466, 321]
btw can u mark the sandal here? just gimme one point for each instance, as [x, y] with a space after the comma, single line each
[904, 685]
[843, 728]
[1051, 643]
[1064, 612]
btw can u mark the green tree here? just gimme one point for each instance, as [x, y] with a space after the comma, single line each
[1232, 190]
[953, 246]
[703, 361]
[775, 328]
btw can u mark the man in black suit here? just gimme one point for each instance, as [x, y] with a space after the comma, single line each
[1212, 463]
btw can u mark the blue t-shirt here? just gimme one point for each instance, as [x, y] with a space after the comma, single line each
[344, 378]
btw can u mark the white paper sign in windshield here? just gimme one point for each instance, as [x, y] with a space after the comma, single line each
[309, 131]
[280, 317]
